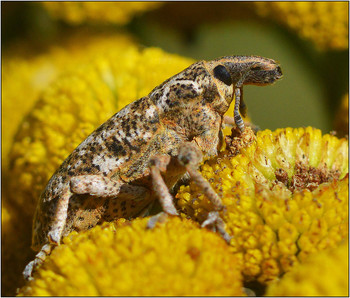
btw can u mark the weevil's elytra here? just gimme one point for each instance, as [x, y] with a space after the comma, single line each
[132, 159]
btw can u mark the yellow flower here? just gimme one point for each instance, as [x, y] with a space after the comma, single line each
[98, 12]
[324, 23]
[125, 259]
[26, 73]
[286, 197]
[325, 273]
[76, 104]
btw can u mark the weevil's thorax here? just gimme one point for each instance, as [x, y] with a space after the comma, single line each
[190, 91]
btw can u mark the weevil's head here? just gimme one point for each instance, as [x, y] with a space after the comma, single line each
[235, 71]
[244, 70]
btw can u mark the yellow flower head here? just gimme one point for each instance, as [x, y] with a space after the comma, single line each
[26, 73]
[76, 104]
[125, 259]
[97, 12]
[324, 274]
[324, 23]
[286, 197]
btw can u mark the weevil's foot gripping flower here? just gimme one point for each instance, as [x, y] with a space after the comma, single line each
[238, 140]
[176, 258]
[325, 273]
[286, 197]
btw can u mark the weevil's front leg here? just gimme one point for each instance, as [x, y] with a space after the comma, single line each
[242, 106]
[236, 115]
[190, 156]
[157, 165]
[230, 121]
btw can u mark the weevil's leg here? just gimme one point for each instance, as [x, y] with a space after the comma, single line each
[190, 156]
[230, 121]
[60, 217]
[237, 116]
[242, 106]
[158, 164]
[39, 259]
[95, 185]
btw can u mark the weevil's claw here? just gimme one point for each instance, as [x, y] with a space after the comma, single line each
[217, 224]
[28, 270]
[161, 217]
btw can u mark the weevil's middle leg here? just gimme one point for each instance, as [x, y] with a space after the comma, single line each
[190, 156]
[157, 165]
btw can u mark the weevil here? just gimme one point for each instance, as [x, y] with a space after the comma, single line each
[141, 152]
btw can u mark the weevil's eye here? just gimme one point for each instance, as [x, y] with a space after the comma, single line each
[221, 73]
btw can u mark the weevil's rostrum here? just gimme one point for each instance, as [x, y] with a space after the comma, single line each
[111, 174]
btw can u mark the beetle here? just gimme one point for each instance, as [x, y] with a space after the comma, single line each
[141, 152]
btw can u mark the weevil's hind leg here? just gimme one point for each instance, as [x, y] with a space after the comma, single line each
[39, 259]
[95, 185]
[190, 156]
[158, 164]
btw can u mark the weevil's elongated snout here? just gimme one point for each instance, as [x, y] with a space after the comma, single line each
[253, 70]
[263, 74]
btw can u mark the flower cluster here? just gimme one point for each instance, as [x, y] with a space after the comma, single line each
[125, 259]
[324, 23]
[325, 273]
[25, 69]
[97, 12]
[286, 197]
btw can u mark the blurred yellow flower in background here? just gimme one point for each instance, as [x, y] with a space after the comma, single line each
[286, 197]
[80, 12]
[24, 68]
[176, 258]
[325, 23]
[325, 273]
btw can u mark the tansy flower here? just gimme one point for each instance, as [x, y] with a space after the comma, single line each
[286, 197]
[175, 258]
[75, 105]
[98, 12]
[24, 69]
[324, 23]
[325, 273]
